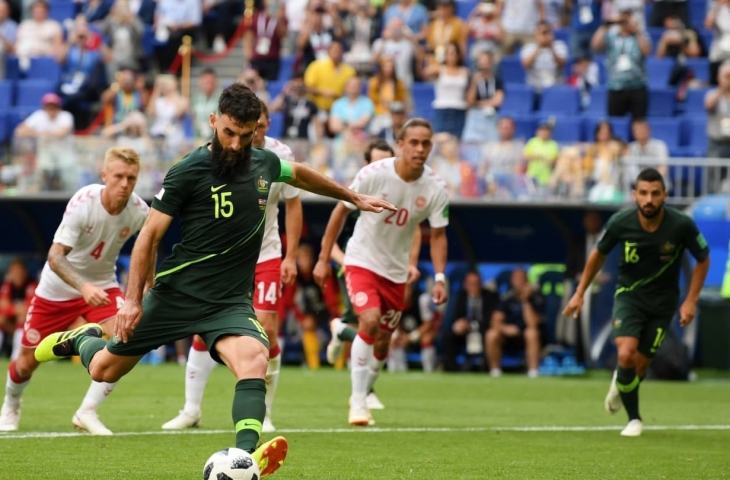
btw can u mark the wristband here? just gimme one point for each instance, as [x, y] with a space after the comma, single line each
[440, 277]
[414, 336]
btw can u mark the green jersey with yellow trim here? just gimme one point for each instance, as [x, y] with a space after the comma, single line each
[650, 262]
[222, 225]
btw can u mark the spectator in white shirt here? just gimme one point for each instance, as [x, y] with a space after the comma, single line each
[48, 122]
[544, 58]
[519, 19]
[39, 36]
[175, 19]
[645, 147]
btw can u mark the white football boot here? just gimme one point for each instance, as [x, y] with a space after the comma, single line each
[335, 347]
[360, 415]
[633, 429]
[267, 426]
[373, 402]
[182, 421]
[89, 420]
[9, 418]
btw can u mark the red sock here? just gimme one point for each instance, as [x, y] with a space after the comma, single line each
[365, 337]
[273, 352]
[199, 345]
[380, 357]
[14, 375]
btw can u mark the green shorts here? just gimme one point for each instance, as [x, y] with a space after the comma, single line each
[630, 320]
[348, 315]
[169, 315]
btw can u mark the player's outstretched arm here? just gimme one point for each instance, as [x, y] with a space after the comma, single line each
[312, 181]
[293, 224]
[593, 265]
[143, 254]
[57, 260]
[439, 252]
[334, 226]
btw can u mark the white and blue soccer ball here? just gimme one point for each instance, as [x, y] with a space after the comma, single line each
[231, 464]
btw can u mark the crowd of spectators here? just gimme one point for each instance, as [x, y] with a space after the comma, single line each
[528, 97]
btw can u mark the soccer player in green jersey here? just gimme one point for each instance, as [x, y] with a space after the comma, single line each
[652, 238]
[205, 286]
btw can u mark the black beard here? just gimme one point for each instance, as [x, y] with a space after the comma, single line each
[653, 214]
[227, 164]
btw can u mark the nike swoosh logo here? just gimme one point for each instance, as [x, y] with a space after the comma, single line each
[215, 189]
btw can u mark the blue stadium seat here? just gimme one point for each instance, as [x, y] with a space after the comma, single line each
[12, 68]
[667, 129]
[700, 67]
[658, 71]
[275, 88]
[694, 136]
[5, 132]
[706, 38]
[17, 115]
[599, 101]
[188, 128]
[655, 33]
[44, 68]
[525, 126]
[61, 10]
[286, 67]
[567, 129]
[697, 12]
[518, 99]
[621, 127]
[695, 102]
[423, 95]
[560, 100]
[563, 34]
[148, 41]
[511, 70]
[6, 94]
[29, 92]
[661, 102]
[464, 8]
[276, 129]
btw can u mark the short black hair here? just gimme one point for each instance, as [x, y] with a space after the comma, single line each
[651, 175]
[208, 71]
[414, 122]
[240, 103]
[377, 144]
[264, 108]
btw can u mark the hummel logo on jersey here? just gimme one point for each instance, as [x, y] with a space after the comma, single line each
[215, 189]
[89, 229]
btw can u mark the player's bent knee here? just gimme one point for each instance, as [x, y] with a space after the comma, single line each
[109, 368]
[369, 322]
[493, 335]
[627, 357]
[531, 335]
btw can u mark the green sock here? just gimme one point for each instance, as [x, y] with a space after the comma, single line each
[87, 347]
[249, 408]
[627, 383]
[347, 334]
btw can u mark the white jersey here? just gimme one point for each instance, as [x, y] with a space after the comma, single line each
[271, 244]
[95, 238]
[382, 242]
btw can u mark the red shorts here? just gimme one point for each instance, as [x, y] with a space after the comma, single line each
[368, 290]
[267, 286]
[46, 317]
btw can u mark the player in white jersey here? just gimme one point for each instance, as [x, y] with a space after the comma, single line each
[271, 272]
[377, 255]
[79, 279]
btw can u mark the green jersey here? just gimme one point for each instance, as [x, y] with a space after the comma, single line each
[222, 225]
[650, 263]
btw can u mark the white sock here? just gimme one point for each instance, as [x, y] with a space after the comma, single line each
[272, 381]
[14, 391]
[428, 358]
[197, 372]
[373, 372]
[361, 355]
[17, 338]
[96, 394]
[396, 360]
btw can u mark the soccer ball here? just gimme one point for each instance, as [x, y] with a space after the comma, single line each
[231, 464]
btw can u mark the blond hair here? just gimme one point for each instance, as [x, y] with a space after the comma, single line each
[125, 154]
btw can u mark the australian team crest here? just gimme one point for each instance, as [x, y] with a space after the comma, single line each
[262, 185]
[668, 247]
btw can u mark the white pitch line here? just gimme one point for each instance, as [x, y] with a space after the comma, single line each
[603, 428]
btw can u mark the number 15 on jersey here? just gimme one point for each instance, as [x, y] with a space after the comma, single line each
[223, 206]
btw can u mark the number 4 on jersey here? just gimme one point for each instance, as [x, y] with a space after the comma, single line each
[96, 252]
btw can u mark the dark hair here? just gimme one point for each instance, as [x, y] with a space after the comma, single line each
[414, 122]
[640, 121]
[377, 144]
[240, 103]
[264, 108]
[459, 54]
[598, 127]
[651, 175]
[208, 71]
[297, 76]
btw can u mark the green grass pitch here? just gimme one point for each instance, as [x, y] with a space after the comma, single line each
[434, 427]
